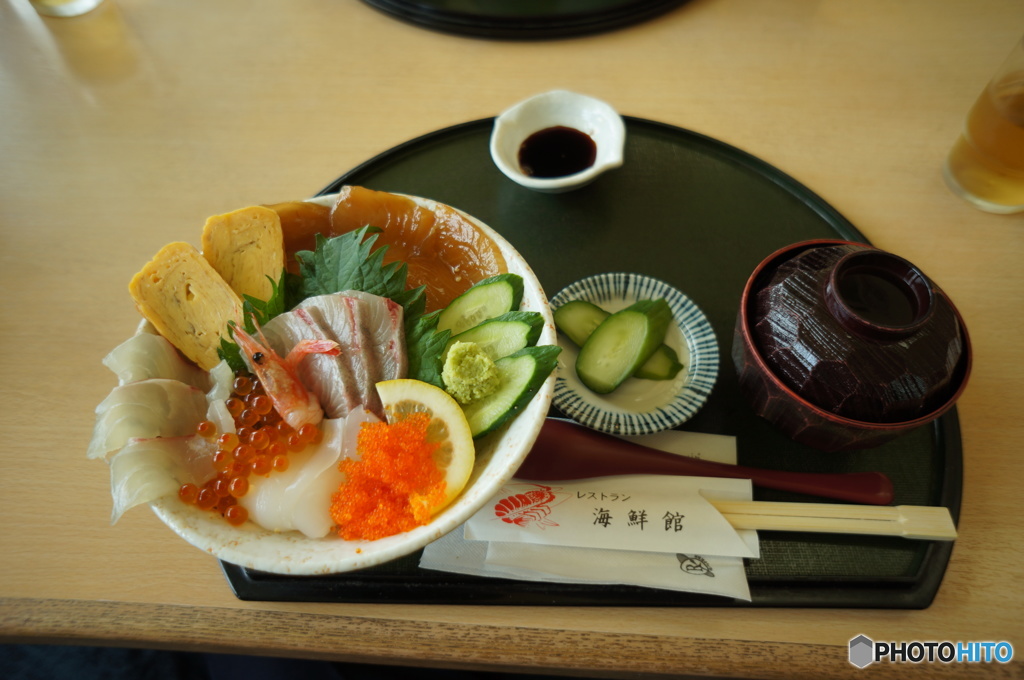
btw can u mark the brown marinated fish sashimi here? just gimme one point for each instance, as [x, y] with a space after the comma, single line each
[443, 250]
[301, 221]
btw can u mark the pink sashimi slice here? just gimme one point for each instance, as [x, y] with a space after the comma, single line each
[327, 376]
[385, 325]
[370, 331]
[343, 320]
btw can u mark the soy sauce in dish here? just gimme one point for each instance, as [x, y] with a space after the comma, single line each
[556, 152]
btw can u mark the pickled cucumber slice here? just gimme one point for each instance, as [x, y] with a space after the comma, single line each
[664, 364]
[577, 319]
[621, 344]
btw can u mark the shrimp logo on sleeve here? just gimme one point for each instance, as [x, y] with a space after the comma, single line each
[531, 506]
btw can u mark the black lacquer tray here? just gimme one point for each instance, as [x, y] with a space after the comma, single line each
[524, 19]
[700, 215]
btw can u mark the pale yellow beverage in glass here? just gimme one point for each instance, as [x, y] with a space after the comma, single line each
[65, 8]
[986, 165]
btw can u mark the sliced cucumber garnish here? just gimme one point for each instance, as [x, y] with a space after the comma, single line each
[503, 335]
[664, 364]
[522, 374]
[487, 299]
[577, 319]
[621, 344]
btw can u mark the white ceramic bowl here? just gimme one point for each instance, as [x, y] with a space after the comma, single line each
[498, 456]
[639, 406]
[558, 108]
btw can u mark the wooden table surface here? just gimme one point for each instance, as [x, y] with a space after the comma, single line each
[124, 129]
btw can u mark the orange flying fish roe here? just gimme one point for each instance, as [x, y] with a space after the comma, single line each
[393, 485]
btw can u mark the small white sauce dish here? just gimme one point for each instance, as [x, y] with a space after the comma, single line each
[639, 407]
[591, 116]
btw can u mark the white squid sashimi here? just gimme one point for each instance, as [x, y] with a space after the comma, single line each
[147, 355]
[300, 497]
[147, 469]
[148, 408]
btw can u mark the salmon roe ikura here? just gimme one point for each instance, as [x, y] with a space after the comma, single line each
[394, 484]
[259, 446]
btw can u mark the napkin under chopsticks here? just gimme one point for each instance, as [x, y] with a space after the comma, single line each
[680, 533]
[674, 566]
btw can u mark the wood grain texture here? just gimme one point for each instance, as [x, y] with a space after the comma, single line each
[425, 644]
[125, 129]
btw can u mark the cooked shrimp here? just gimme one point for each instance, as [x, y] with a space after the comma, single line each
[296, 405]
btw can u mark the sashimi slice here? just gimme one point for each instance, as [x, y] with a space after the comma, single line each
[147, 469]
[299, 498]
[371, 333]
[147, 355]
[149, 408]
[301, 221]
[330, 378]
[222, 380]
[444, 250]
[343, 319]
[386, 327]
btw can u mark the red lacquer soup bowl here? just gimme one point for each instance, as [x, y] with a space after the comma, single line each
[844, 346]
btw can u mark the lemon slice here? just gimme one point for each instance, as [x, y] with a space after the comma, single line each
[456, 454]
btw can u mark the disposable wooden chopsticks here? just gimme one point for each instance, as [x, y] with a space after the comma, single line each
[909, 521]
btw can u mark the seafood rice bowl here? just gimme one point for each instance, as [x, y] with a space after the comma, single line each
[274, 440]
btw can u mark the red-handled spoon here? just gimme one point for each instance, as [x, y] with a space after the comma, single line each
[565, 450]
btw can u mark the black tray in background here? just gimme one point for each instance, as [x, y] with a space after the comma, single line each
[699, 214]
[524, 19]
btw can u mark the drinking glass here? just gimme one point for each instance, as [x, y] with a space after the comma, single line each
[65, 8]
[986, 165]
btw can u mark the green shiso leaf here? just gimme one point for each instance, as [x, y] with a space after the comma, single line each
[231, 353]
[255, 312]
[258, 312]
[349, 262]
[425, 347]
